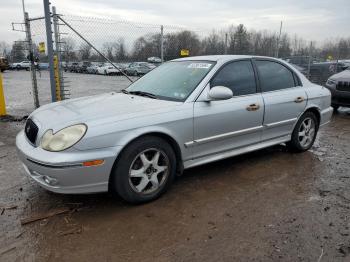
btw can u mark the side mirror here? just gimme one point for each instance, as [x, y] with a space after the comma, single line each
[219, 93]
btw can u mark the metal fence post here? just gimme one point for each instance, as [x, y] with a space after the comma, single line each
[162, 43]
[31, 58]
[50, 48]
[57, 52]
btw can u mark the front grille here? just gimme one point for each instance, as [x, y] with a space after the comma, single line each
[343, 86]
[31, 130]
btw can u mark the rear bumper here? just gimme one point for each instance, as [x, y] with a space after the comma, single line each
[63, 172]
[326, 116]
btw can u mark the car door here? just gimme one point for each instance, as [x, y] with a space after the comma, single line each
[224, 125]
[284, 97]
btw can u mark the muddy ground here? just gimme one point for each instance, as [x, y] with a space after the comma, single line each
[270, 205]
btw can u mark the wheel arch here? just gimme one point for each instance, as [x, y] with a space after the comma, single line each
[316, 111]
[168, 138]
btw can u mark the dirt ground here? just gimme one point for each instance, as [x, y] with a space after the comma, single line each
[270, 205]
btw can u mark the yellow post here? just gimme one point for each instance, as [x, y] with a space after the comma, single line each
[2, 98]
[57, 78]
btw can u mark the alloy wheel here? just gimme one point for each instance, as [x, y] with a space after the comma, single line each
[149, 171]
[307, 132]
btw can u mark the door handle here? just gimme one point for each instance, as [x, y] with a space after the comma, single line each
[299, 99]
[253, 107]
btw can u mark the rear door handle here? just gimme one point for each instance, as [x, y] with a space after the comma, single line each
[253, 107]
[299, 99]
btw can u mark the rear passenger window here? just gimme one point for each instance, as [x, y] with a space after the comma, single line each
[274, 76]
[238, 76]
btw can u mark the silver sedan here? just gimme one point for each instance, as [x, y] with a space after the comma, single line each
[185, 113]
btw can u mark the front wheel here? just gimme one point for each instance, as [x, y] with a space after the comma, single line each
[144, 171]
[304, 133]
[335, 107]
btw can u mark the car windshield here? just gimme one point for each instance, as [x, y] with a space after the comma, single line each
[173, 80]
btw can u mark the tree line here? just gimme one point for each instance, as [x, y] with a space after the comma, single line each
[234, 40]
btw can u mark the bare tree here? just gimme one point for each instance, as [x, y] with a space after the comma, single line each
[68, 53]
[5, 49]
[85, 51]
[18, 51]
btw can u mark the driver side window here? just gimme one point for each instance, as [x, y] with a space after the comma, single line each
[238, 76]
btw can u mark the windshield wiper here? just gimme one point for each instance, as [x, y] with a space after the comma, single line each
[141, 93]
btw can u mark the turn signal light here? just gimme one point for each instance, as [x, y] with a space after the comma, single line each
[94, 162]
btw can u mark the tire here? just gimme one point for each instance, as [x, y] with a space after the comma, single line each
[304, 133]
[335, 107]
[150, 179]
[18, 67]
[135, 73]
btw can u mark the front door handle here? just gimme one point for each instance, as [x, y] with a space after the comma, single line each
[253, 107]
[299, 99]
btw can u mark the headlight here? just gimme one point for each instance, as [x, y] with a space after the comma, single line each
[63, 139]
[331, 82]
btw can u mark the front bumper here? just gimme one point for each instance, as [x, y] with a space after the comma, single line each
[63, 172]
[339, 98]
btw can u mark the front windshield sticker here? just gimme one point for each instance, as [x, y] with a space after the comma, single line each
[199, 65]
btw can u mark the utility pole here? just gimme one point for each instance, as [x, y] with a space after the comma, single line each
[31, 58]
[24, 11]
[310, 57]
[278, 41]
[226, 42]
[162, 43]
[50, 48]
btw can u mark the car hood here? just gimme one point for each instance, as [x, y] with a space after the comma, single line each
[342, 76]
[99, 109]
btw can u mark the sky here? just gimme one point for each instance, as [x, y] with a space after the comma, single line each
[316, 20]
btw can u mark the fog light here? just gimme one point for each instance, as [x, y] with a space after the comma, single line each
[50, 180]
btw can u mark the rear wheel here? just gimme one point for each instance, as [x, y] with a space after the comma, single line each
[304, 133]
[144, 171]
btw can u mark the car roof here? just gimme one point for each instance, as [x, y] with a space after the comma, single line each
[220, 58]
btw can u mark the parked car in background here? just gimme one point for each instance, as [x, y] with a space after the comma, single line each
[346, 62]
[302, 61]
[108, 69]
[72, 67]
[92, 69]
[301, 69]
[21, 65]
[4, 65]
[185, 113]
[43, 66]
[154, 60]
[339, 85]
[82, 67]
[139, 68]
[320, 72]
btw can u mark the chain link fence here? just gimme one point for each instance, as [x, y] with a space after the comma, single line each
[99, 55]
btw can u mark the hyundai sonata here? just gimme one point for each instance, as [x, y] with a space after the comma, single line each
[185, 113]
